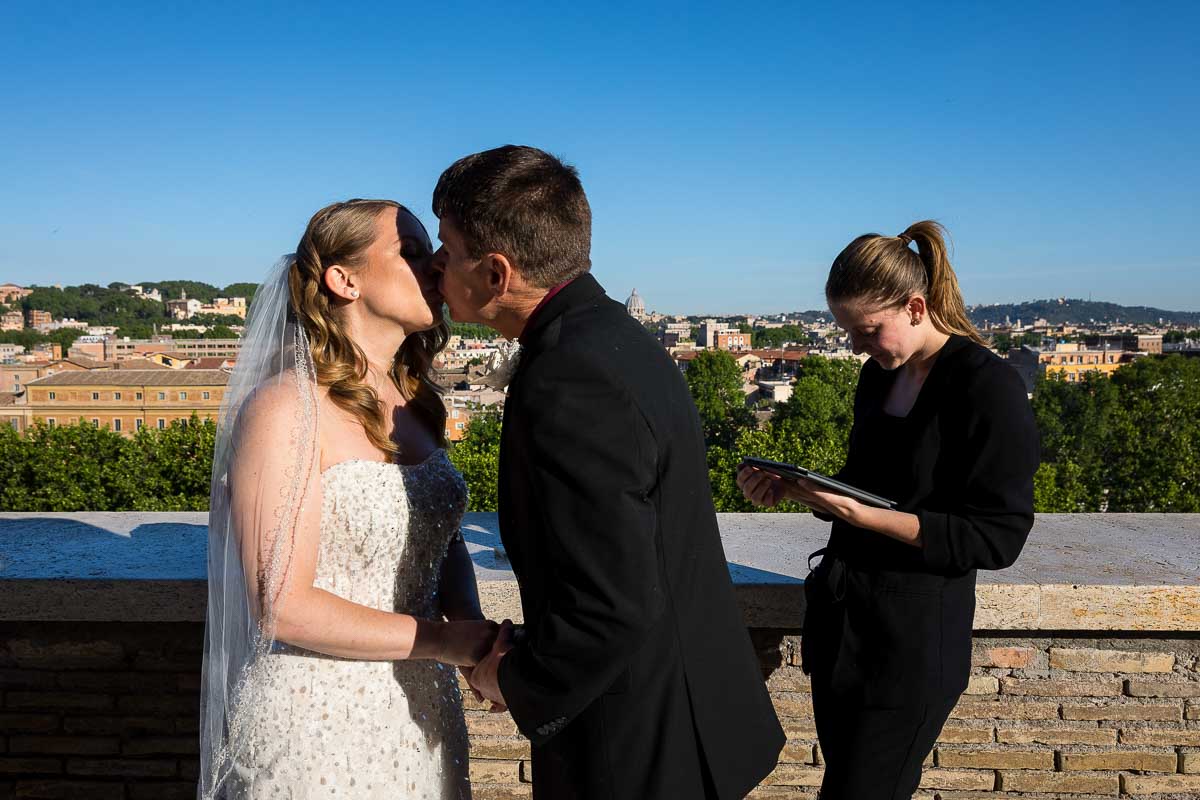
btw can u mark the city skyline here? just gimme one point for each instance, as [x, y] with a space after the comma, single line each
[617, 294]
[728, 157]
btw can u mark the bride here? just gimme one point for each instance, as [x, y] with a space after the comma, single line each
[339, 586]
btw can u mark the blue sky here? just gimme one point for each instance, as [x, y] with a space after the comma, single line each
[728, 152]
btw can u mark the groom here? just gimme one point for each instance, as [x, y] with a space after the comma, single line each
[636, 677]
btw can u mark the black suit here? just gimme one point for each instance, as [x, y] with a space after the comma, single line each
[887, 630]
[637, 678]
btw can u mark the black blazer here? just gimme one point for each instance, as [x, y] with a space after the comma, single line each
[637, 678]
[891, 623]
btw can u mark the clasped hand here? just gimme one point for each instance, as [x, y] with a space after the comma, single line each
[477, 648]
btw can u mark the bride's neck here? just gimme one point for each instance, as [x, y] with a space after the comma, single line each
[379, 345]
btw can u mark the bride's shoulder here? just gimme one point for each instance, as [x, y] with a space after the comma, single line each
[276, 404]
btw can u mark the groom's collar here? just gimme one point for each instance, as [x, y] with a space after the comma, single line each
[558, 300]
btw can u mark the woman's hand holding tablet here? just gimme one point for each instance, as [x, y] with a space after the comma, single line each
[818, 481]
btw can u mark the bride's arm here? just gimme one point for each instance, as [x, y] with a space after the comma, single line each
[460, 592]
[304, 615]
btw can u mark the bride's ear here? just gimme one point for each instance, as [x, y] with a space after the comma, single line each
[340, 282]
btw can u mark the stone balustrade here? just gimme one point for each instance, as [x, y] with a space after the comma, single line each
[1086, 680]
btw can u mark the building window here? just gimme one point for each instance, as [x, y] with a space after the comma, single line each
[50, 422]
[183, 395]
[95, 422]
[95, 395]
[16, 424]
[162, 424]
[137, 396]
[53, 396]
[117, 425]
[162, 395]
[137, 423]
[116, 395]
[458, 426]
[454, 414]
[206, 396]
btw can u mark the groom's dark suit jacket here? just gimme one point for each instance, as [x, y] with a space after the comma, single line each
[637, 678]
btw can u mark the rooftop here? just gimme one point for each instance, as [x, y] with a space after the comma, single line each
[136, 377]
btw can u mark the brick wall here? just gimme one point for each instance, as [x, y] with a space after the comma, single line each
[99, 710]
[109, 710]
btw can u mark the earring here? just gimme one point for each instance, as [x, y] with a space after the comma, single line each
[354, 293]
[915, 321]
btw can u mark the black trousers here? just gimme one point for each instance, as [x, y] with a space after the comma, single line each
[874, 753]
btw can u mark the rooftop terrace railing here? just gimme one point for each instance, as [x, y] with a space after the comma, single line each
[1086, 676]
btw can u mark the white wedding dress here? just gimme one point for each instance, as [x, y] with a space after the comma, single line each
[308, 725]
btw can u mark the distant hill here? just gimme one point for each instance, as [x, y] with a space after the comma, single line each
[1064, 310]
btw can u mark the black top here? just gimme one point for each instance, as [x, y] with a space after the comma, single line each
[963, 461]
[636, 676]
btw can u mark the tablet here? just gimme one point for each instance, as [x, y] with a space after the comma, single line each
[792, 471]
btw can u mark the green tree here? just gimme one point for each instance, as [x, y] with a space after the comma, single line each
[86, 468]
[811, 428]
[477, 457]
[216, 319]
[777, 337]
[715, 381]
[169, 469]
[1154, 464]
[472, 330]
[1126, 443]
[65, 469]
[196, 290]
[135, 330]
[246, 290]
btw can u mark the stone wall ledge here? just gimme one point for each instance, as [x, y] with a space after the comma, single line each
[1079, 572]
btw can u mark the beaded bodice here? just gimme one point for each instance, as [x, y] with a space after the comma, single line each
[384, 531]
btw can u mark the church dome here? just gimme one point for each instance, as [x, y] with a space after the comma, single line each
[635, 305]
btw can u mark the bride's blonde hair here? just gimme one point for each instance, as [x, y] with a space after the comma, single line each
[340, 234]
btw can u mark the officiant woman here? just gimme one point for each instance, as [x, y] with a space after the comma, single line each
[943, 427]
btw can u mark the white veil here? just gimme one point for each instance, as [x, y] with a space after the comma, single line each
[252, 517]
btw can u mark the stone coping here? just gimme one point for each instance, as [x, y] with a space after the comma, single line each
[1079, 572]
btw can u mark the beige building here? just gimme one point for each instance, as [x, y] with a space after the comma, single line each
[183, 308]
[12, 321]
[1068, 359]
[463, 404]
[120, 349]
[125, 400]
[731, 340]
[10, 292]
[1130, 342]
[227, 306]
[40, 319]
[12, 415]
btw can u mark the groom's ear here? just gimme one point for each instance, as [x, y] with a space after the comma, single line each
[501, 274]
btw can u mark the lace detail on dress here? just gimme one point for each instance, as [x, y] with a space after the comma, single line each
[318, 726]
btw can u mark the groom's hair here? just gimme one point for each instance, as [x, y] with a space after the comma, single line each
[523, 203]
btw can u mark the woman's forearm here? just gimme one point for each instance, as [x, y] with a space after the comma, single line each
[317, 620]
[459, 591]
[898, 525]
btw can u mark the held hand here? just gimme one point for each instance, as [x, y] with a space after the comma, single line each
[761, 488]
[465, 642]
[485, 677]
[767, 490]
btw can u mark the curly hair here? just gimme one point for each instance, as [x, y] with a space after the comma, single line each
[340, 234]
